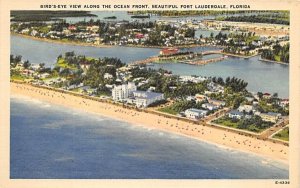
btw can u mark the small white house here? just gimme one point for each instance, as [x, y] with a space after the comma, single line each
[234, 114]
[108, 76]
[209, 106]
[246, 108]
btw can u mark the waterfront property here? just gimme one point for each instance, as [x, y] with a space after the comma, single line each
[195, 113]
[128, 93]
[235, 114]
[145, 98]
[270, 116]
[122, 92]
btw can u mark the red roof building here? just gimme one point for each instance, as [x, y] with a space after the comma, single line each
[139, 35]
[168, 51]
[72, 27]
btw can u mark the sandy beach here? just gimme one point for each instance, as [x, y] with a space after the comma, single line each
[230, 140]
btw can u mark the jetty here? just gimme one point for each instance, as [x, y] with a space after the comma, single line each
[145, 61]
[206, 61]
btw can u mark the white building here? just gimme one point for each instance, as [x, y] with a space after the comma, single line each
[209, 106]
[234, 114]
[246, 108]
[270, 116]
[145, 98]
[193, 79]
[194, 113]
[122, 92]
[108, 76]
[217, 102]
[200, 98]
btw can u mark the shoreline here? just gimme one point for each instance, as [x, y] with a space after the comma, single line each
[204, 133]
[271, 61]
[105, 45]
[59, 41]
[125, 46]
[238, 55]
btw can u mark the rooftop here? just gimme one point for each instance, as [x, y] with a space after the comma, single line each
[147, 94]
[195, 110]
[235, 112]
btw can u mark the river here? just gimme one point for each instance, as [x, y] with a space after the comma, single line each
[261, 76]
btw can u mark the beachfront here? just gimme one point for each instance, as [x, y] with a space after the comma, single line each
[204, 133]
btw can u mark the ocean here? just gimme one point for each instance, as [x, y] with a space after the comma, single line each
[53, 142]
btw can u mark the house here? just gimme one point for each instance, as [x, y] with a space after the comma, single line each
[93, 28]
[190, 98]
[44, 75]
[25, 31]
[85, 65]
[19, 66]
[194, 79]
[246, 108]
[35, 67]
[284, 102]
[249, 99]
[27, 72]
[217, 102]
[139, 35]
[151, 88]
[72, 28]
[266, 96]
[213, 87]
[200, 98]
[270, 116]
[109, 86]
[234, 114]
[145, 98]
[34, 33]
[194, 113]
[87, 89]
[108, 76]
[209, 106]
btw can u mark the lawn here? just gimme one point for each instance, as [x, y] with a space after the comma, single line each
[277, 57]
[252, 38]
[226, 122]
[283, 134]
[63, 64]
[44, 29]
[248, 125]
[168, 110]
[17, 77]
